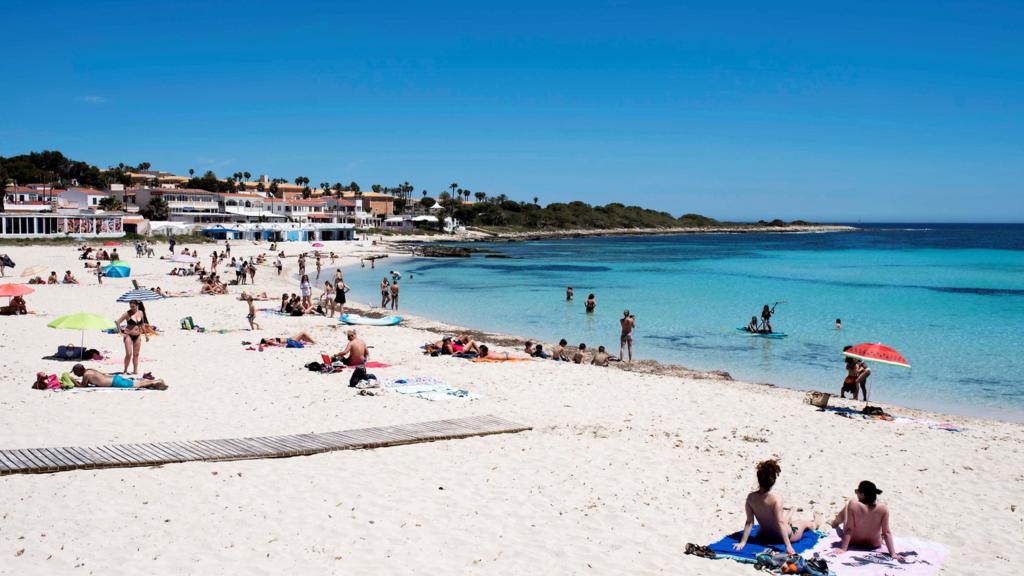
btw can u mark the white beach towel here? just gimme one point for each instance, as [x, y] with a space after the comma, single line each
[427, 388]
[921, 558]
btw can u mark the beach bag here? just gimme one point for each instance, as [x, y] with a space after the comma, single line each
[314, 366]
[70, 352]
[187, 323]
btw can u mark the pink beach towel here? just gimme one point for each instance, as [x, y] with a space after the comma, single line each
[120, 361]
[921, 558]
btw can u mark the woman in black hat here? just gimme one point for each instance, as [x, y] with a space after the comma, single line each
[865, 522]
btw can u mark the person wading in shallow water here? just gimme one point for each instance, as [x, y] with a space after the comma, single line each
[627, 322]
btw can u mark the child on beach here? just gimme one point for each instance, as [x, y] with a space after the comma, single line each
[776, 524]
[252, 313]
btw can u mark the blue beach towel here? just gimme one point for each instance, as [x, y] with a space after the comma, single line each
[723, 548]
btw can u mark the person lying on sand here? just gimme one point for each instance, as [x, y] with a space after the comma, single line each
[865, 522]
[777, 526]
[94, 378]
[355, 353]
[282, 342]
[464, 344]
[443, 347]
[261, 297]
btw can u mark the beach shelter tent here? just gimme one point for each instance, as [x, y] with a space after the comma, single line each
[140, 294]
[117, 269]
[83, 321]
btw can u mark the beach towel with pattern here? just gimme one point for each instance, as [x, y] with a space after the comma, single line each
[920, 558]
[723, 548]
[427, 388]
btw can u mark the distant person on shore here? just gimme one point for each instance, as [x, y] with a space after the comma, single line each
[53, 277]
[252, 273]
[95, 378]
[114, 255]
[327, 299]
[251, 317]
[528, 348]
[568, 294]
[580, 354]
[170, 244]
[340, 288]
[318, 266]
[839, 324]
[561, 352]
[69, 278]
[307, 291]
[777, 526]
[590, 304]
[538, 352]
[355, 353]
[857, 373]
[394, 293]
[278, 265]
[227, 247]
[385, 292]
[600, 357]
[627, 322]
[865, 522]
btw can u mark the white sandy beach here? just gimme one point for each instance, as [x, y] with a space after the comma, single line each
[620, 471]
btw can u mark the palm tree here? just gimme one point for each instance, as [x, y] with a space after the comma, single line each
[453, 186]
[466, 193]
[191, 172]
[480, 196]
[535, 201]
[247, 175]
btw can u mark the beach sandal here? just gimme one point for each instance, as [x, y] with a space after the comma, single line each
[701, 551]
[148, 376]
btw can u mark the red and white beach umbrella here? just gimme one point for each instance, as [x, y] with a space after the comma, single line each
[877, 353]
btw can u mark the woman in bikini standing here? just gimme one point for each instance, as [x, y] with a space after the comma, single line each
[136, 324]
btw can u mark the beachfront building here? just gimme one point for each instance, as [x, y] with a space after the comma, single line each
[83, 198]
[157, 179]
[183, 204]
[297, 209]
[61, 225]
[31, 198]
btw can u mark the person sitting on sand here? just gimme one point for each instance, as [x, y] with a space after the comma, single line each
[261, 297]
[94, 378]
[560, 352]
[16, 307]
[600, 357]
[752, 326]
[538, 352]
[285, 341]
[777, 526]
[53, 278]
[865, 522]
[580, 354]
[69, 278]
[355, 353]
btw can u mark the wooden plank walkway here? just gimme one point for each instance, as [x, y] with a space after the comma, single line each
[45, 460]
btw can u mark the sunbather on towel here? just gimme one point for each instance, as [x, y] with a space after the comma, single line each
[865, 522]
[94, 378]
[282, 342]
[776, 524]
[355, 353]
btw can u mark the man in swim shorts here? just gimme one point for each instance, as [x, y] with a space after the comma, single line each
[90, 378]
[355, 352]
[627, 322]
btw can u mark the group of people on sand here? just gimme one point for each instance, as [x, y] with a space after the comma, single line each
[863, 521]
[461, 346]
[564, 353]
[68, 278]
[626, 326]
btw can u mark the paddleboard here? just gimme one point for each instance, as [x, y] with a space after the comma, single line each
[364, 321]
[775, 335]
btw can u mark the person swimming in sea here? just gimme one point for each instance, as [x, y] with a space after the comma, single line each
[568, 294]
[590, 304]
[839, 324]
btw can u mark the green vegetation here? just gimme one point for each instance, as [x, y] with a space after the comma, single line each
[500, 212]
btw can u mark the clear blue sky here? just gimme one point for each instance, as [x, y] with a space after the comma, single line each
[833, 111]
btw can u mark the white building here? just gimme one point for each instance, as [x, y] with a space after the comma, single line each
[83, 198]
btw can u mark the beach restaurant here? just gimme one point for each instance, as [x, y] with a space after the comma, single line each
[50, 225]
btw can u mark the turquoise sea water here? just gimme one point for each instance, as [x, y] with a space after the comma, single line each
[949, 297]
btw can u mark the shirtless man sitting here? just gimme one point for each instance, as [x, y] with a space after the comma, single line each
[579, 356]
[355, 352]
[600, 357]
[88, 378]
[561, 352]
[776, 524]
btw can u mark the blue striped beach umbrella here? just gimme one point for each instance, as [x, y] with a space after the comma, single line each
[140, 294]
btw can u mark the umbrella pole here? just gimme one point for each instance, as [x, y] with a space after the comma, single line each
[81, 346]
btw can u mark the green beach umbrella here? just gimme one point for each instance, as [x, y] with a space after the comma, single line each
[83, 321]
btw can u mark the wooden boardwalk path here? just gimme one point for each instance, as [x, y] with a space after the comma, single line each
[45, 460]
